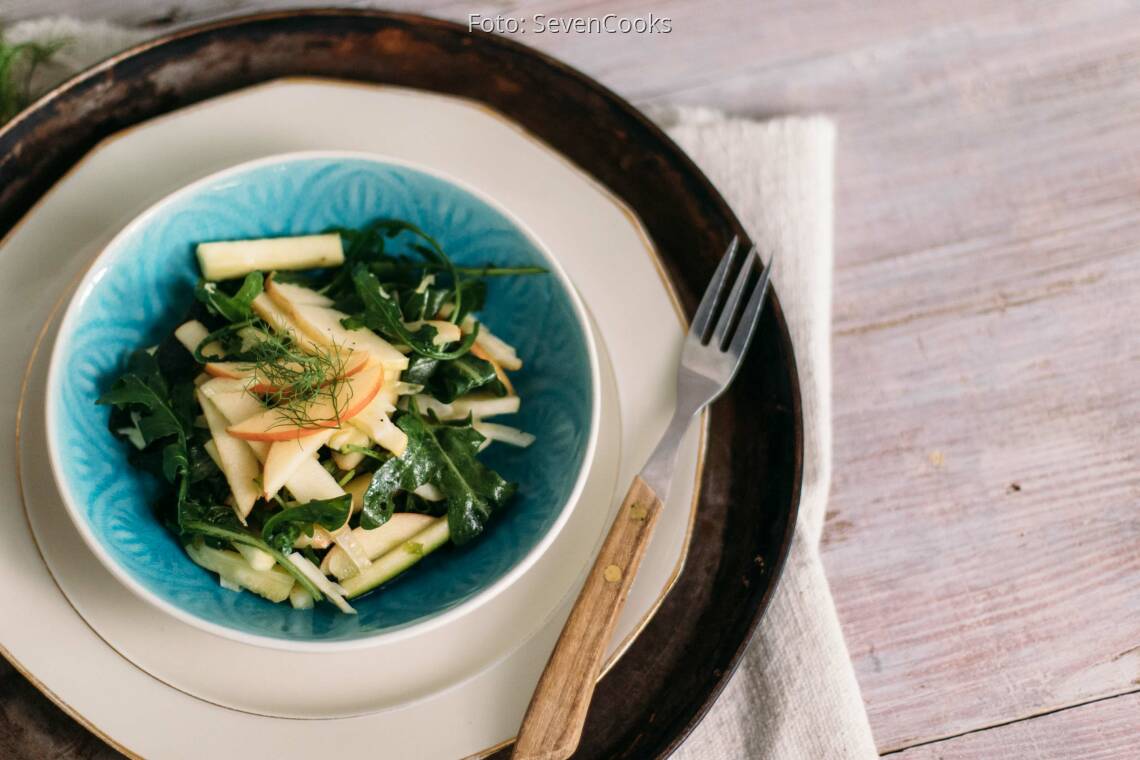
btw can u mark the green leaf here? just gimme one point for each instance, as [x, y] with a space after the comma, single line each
[233, 308]
[472, 489]
[283, 529]
[443, 455]
[175, 462]
[420, 369]
[407, 472]
[474, 293]
[423, 303]
[218, 521]
[448, 380]
[383, 314]
[18, 64]
[143, 390]
[463, 375]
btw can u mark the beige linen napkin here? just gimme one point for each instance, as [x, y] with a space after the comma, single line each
[795, 694]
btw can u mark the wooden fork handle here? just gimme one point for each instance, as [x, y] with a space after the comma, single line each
[553, 722]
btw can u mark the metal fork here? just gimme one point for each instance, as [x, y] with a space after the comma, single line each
[712, 354]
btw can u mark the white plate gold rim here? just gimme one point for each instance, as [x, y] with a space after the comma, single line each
[622, 646]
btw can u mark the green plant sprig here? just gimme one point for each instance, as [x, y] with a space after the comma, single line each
[299, 377]
[16, 85]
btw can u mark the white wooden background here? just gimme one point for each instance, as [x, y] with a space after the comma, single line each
[983, 540]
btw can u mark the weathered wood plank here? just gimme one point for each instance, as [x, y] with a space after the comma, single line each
[1097, 731]
[32, 727]
[984, 300]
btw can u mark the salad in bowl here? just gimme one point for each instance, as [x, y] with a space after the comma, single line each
[317, 399]
[319, 416]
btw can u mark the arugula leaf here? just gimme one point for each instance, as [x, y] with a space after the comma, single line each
[202, 467]
[285, 527]
[448, 380]
[473, 294]
[235, 308]
[415, 467]
[383, 314]
[461, 376]
[444, 455]
[218, 521]
[423, 303]
[431, 251]
[472, 489]
[420, 369]
[406, 501]
[142, 389]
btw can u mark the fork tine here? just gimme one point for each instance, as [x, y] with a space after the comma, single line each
[712, 292]
[732, 305]
[751, 316]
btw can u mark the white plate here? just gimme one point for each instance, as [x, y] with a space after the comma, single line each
[597, 240]
[265, 681]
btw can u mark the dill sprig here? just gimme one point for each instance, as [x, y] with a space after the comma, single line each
[18, 64]
[300, 377]
[302, 381]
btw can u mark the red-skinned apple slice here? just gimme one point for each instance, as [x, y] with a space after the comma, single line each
[322, 325]
[354, 363]
[308, 482]
[298, 293]
[282, 323]
[279, 424]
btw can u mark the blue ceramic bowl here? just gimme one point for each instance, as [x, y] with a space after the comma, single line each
[140, 286]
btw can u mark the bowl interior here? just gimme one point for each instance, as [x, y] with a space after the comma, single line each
[140, 287]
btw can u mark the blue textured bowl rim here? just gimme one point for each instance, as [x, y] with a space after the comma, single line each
[435, 620]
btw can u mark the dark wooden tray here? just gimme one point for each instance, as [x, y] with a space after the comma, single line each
[671, 675]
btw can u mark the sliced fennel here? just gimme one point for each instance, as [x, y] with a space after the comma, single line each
[273, 584]
[332, 591]
[399, 559]
[375, 543]
[477, 406]
[493, 431]
[228, 259]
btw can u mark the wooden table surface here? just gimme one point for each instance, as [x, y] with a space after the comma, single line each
[983, 538]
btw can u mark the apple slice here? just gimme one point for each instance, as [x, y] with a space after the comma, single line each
[191, 334]
[311, 482]
[348, 461]
[225, 259]
[322, 324]
[481, 353]
[348, 436]
[238, 462]
[256, 382]
[282, 323]
[279, 424]
[308, 482]
[445, 332]
[285, 457]
[375, 422]
[236, 404]
[297, 293]
[390, 393]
